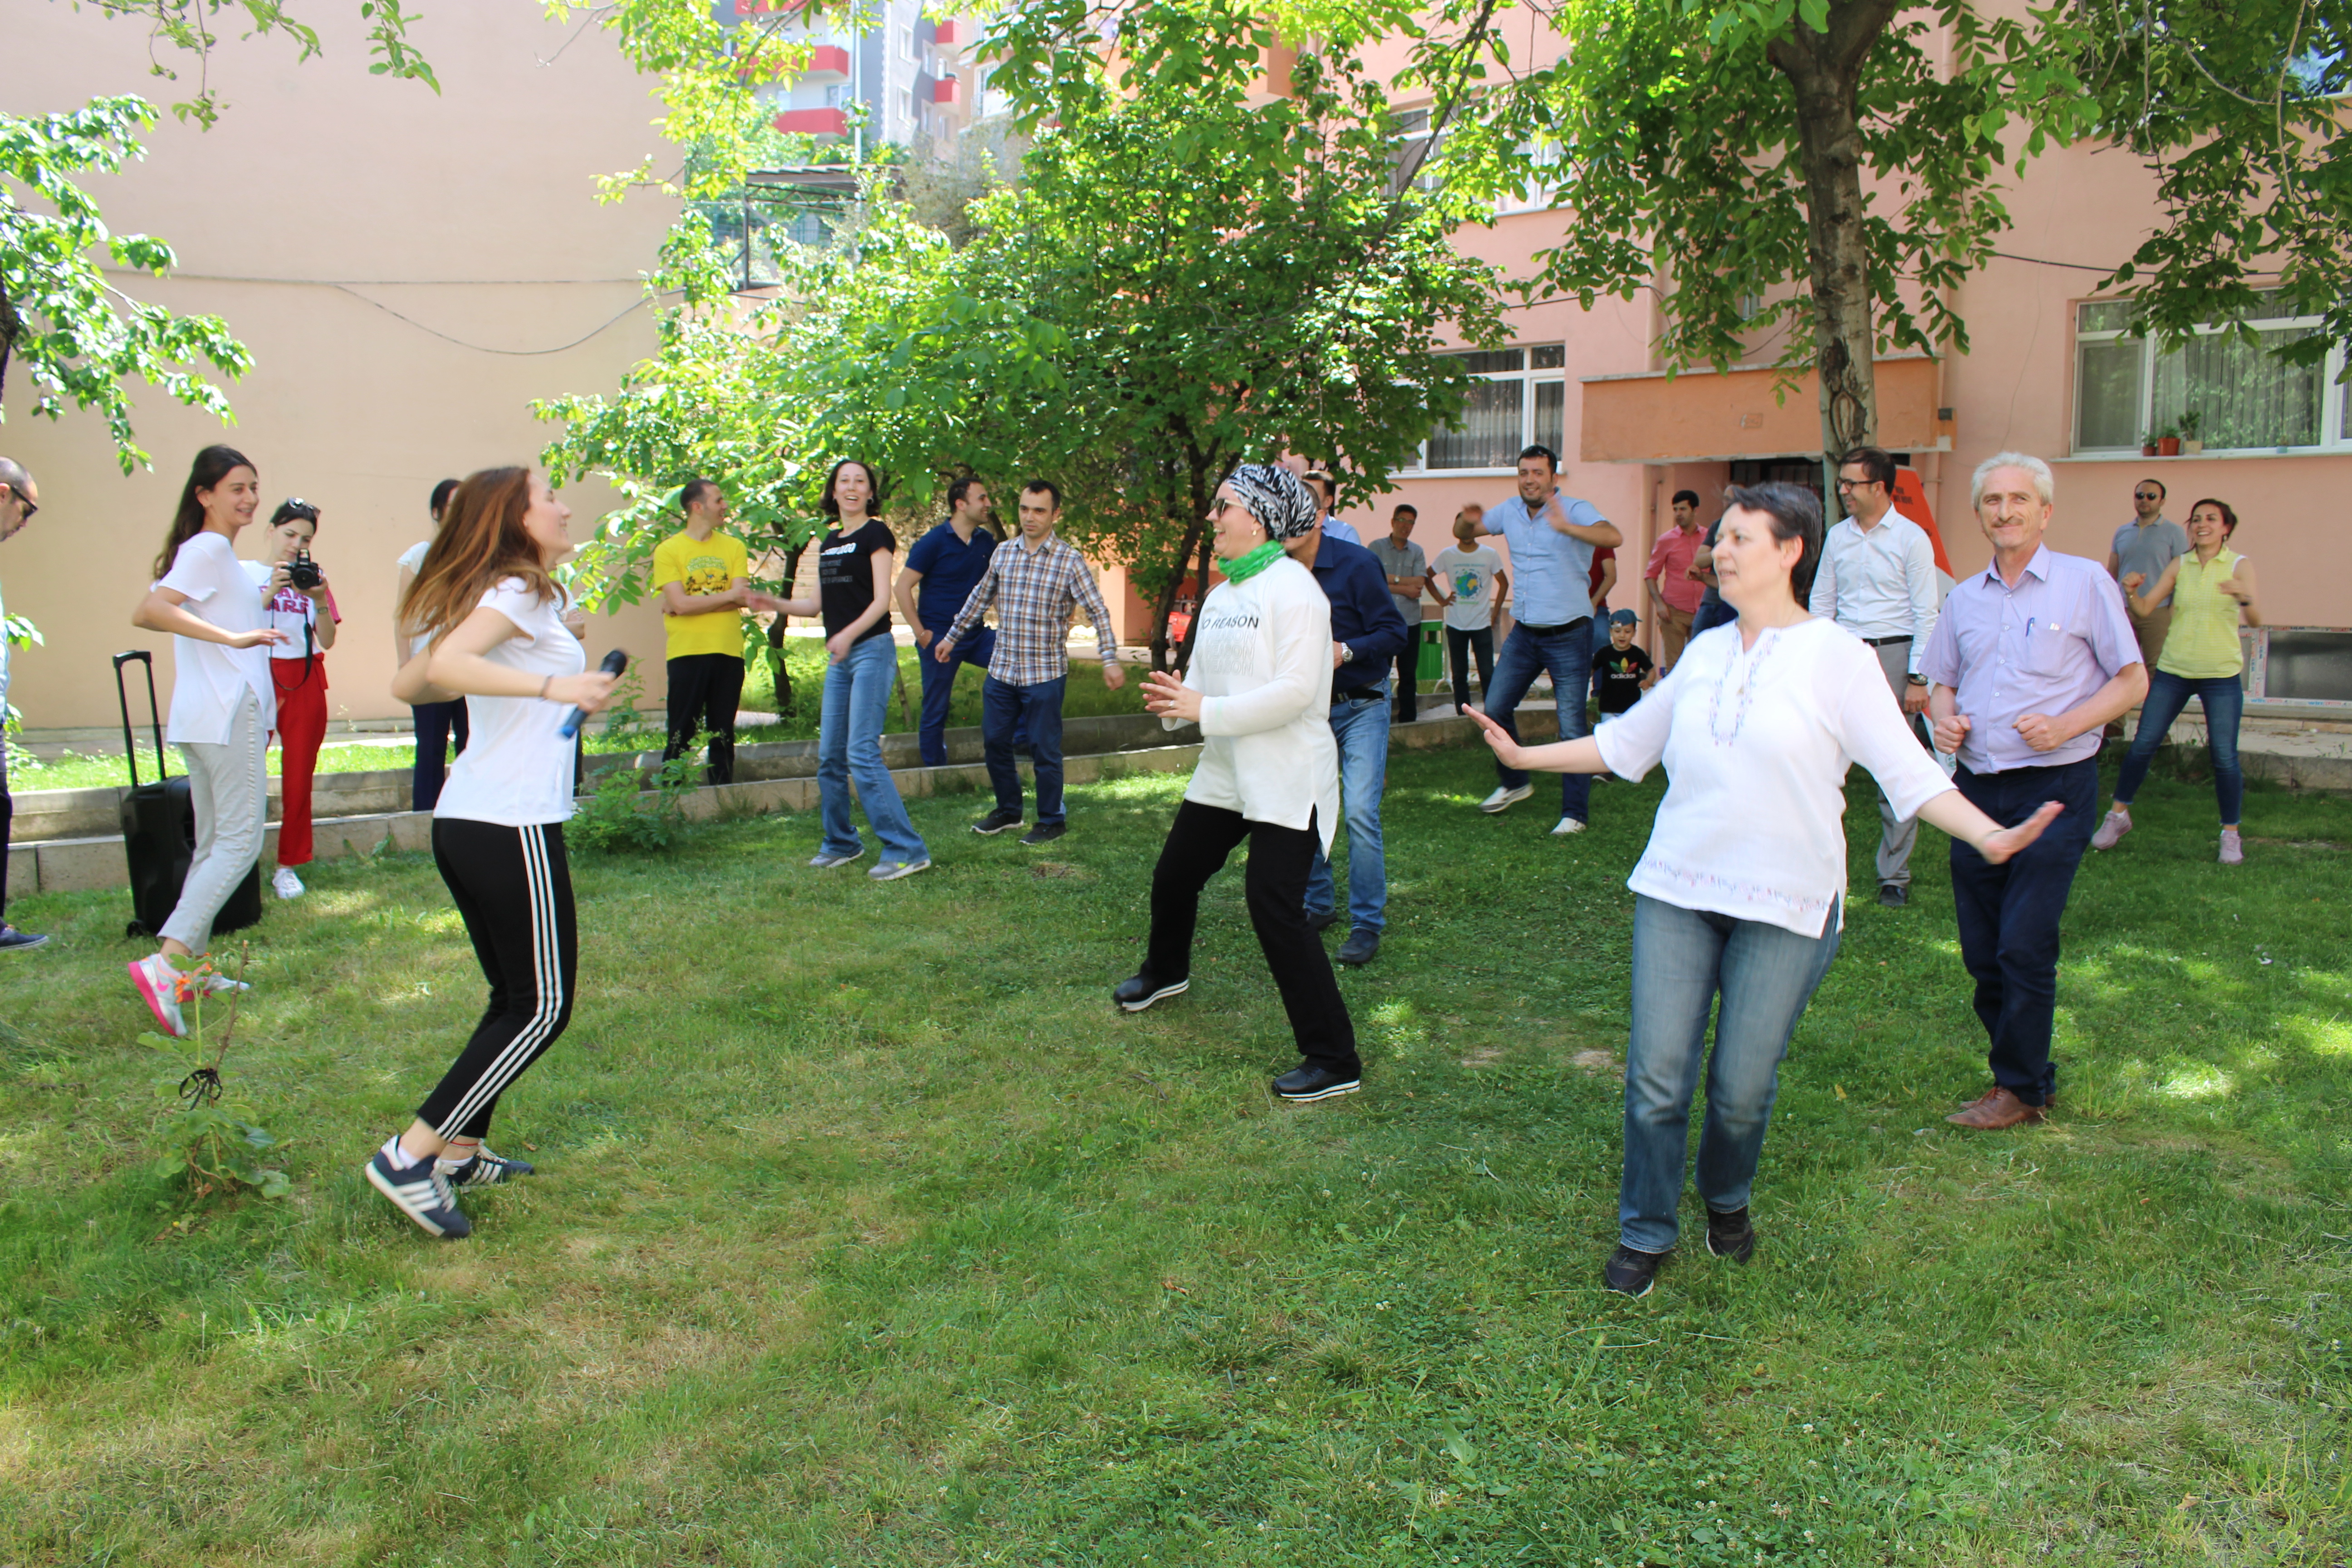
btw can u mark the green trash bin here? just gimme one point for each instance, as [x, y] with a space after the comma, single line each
[1431, 663]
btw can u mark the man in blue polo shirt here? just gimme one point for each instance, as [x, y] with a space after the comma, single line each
[1552, 538]
[1367, 632]
[941, 571]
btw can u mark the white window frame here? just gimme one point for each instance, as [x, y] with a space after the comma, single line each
[2332, 437]
[1530, 378]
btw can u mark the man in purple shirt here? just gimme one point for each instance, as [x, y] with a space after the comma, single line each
[2029, 659]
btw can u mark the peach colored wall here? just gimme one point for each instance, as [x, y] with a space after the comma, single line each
[472, 213]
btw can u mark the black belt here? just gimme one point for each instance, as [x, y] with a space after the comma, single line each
[1888, 642]
[1355, 694]
[1553, 631]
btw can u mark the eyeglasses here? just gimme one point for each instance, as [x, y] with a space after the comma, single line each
[2147, 495]
[30, 507]
[1856, 484]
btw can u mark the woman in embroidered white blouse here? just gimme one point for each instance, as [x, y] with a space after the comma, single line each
[1739, 891]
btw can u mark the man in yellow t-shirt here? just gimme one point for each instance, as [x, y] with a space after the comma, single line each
[704, 579]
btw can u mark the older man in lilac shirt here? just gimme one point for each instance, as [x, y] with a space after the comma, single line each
[2029, 659]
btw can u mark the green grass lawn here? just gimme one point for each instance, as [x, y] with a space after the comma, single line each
[866, 1232]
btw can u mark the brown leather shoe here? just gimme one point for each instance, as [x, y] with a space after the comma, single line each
[1996, 1110]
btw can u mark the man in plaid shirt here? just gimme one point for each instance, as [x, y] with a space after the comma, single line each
[1035, 582]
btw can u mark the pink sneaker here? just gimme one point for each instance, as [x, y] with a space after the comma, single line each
[2111, 831]
[2233, 852]
[158, 983]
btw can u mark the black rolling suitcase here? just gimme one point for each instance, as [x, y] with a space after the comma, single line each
[159, 830]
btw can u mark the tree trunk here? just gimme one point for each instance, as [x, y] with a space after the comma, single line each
[778, 664]
[1824, 70]
[1159, 652]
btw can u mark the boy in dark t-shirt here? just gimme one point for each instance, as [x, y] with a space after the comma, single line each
[1622, 672]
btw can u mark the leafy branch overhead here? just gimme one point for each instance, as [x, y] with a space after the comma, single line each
[191, 28]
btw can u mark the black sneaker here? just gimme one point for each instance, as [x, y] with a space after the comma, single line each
[1306, 1081]
[1363, 945]
[1045, 833]
[15, 940]
[420, 1192]
[486, 1169]
[1893, 895]
[1323, 922]
[1140, 991]
[1728, 1234]
[1632, 1273]
[996, 822]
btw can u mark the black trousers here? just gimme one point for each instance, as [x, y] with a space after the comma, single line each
[437, 725]
[1274, 888]
[705, 689]
[1461, 647]
[513, 888]
[7, 814]
[2009, 914]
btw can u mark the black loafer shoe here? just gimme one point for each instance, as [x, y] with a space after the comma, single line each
[1363, 944]
[1045, 833]
[1892, 896]
[1729, 1234]
[1138, 992]
[996, 822]
[1323, 922]
[1306, 1081]
[1632, 1273]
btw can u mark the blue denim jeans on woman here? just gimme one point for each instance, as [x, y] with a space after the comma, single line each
[849, 744]
[1567, 654]
[1683, 961]
[1360, 727]
[2167, 695]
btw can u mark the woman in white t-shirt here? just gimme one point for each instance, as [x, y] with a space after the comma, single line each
[223, 703]
[1738, 895]
[309, 618]
[492, 619]
[1259, 686]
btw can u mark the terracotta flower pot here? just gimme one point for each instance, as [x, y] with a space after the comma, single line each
[2147, 450]
[2168, 446]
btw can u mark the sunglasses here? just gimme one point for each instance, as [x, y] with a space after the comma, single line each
[297, 506]
[2147, 495]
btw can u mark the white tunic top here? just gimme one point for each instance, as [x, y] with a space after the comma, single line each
[1262, 662]
[516, 769]
[208, 676]
[1756, 743]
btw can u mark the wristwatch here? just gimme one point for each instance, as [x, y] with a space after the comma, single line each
[1918, 680]
[1347, 653]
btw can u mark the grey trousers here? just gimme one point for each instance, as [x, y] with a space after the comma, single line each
[228, 784]
[1896, 835]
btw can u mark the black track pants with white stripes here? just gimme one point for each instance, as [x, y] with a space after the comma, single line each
[514, 890]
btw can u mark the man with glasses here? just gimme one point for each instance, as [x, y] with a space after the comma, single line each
[2149, 544]
[1877, 579]
[19, 500]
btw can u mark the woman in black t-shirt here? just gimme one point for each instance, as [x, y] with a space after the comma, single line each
[854, 565]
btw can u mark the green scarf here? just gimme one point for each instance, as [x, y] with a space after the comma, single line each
[1243, 567]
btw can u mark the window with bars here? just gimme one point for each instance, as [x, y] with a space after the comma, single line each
[1518, 401]
[2244, 398]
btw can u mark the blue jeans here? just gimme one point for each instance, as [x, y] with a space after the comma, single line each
[977, 648]
[849, 742]
[2167, 695]
[1005, 711]
[2009, 914]
[1683, 960]
[1360, 726]
[1600, 642]
[1567, 653]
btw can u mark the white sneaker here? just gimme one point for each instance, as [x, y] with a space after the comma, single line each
[1565, 825]
[1505, 797]
[287, 884]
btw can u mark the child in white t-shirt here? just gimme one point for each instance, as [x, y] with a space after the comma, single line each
[1468, 579]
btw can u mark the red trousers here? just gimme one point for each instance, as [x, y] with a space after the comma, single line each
[301, 728]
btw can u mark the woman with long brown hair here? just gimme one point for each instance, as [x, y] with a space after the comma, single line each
[492, 617]
[224, 704]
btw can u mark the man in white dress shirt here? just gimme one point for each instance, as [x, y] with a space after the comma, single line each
[1877, 579]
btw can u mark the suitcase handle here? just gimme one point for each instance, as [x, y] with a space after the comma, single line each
[154, 714]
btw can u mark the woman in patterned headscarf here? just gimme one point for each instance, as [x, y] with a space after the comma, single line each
[1259, 686]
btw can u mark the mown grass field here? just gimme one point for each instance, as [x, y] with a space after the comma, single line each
[867, 1233]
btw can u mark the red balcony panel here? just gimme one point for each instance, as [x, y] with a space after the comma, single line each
[827, 62]
[813, 121]
[952, 33]
[946, 89]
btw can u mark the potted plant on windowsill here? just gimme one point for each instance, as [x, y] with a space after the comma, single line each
[2167, 441]
[2191, 442]
[2147, 445]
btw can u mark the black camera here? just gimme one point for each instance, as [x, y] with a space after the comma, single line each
[304, 573]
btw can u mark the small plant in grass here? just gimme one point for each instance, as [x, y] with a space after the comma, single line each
[622, 719]
[212, 1143]
[620, 813]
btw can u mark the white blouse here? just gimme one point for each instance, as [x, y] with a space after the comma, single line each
[1757, 742]
[1262, 663]
[516, 769]
[209, 678]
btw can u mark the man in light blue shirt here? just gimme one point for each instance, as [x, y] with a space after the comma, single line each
[19, 500]
[2029, 658]
[1552, 538]
[1325, 489]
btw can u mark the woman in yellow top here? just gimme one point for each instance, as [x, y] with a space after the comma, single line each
[2212, 588]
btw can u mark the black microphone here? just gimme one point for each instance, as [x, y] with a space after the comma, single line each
[615, 662]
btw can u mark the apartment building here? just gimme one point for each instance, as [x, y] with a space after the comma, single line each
[894, 75]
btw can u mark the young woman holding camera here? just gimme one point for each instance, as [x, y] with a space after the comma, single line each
[224, 704]
[493, 620]
[298, 602]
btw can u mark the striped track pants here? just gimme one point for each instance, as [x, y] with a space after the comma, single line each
[513, 888]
